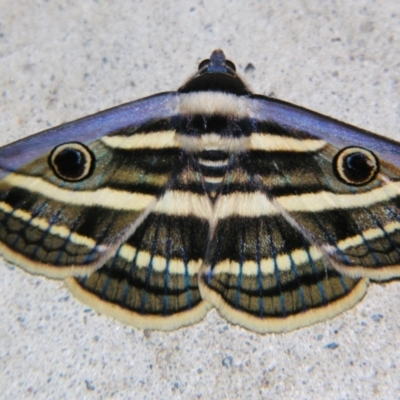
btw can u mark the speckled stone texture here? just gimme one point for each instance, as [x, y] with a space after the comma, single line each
[63, 60]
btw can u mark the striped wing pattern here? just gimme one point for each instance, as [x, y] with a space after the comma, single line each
[261, 271]
[357, 228]
[208, 196]
[71, 228]
[152, 281]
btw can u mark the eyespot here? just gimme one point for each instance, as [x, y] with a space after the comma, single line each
[203, 64]
[71, 161]
[355, 166]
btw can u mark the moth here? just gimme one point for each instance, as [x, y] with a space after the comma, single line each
[210, 196]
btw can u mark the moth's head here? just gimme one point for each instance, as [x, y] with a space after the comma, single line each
[216, 75]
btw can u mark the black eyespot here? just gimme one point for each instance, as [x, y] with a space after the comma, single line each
[203, 64]
[71, 161]
[355, 166]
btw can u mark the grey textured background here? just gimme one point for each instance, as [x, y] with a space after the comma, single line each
[61, 60]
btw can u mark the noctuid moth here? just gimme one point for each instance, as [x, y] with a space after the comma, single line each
[157, 210]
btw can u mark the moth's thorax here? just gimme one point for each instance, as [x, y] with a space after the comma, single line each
[213, 121]
[214, 103]
[212, 126]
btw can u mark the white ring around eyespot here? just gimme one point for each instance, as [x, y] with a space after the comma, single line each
[339, 170]
[87, 154]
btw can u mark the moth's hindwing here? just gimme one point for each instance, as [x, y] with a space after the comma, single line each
[263, 273]
[152, 281]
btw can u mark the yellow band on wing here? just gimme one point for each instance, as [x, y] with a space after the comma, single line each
[324, 200]
[270, 142]
[284, 262]
[182, 203]
[153, 140]
[159, 263]
[257, 204]
[104, 197]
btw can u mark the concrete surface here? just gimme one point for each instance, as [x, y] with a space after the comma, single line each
[61, 60]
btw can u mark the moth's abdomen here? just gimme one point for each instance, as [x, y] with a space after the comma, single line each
[213, 165]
